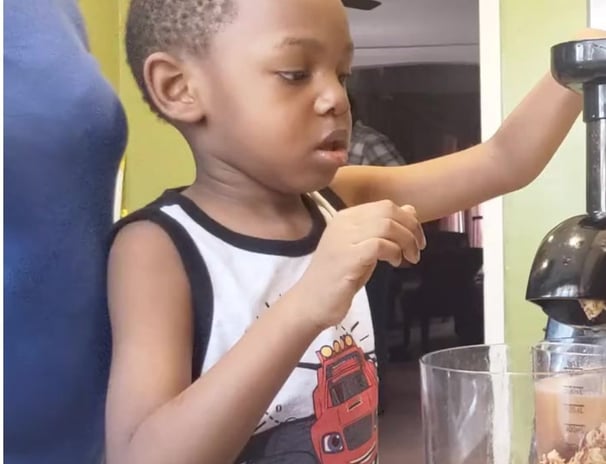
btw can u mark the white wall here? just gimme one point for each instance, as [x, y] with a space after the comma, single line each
[596, 10]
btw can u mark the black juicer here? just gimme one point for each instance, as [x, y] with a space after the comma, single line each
[569, 268]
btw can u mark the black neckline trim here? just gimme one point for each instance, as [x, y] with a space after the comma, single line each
[290, 248]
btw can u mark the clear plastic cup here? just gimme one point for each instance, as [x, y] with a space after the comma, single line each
[572, 401]
[478, 404]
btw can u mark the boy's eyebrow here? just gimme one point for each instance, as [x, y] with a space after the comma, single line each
[308, 42]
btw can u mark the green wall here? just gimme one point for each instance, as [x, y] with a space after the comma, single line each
[157, 157]
[528, 29]
[103, 29]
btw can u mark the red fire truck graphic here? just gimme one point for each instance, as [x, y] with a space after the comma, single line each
[345, 405]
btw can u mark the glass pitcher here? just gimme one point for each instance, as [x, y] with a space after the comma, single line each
[478, 402]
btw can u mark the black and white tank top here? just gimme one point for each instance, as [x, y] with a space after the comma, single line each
[326, 412]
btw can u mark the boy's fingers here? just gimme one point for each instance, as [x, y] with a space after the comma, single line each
[380, 249]
[408, 217]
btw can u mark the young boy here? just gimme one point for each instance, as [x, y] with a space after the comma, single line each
[241, 329]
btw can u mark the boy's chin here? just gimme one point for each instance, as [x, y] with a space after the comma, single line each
[318, 181]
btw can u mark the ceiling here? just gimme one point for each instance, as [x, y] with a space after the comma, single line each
[416, 31]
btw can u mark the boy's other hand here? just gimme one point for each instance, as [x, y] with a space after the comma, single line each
[354, 240]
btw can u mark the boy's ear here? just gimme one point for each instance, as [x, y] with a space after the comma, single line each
[171, 90]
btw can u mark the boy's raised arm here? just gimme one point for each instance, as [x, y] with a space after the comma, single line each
[512, 158]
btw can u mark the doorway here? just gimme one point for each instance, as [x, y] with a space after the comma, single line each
[417, 80]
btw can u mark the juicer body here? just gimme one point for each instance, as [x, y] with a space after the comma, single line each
[556, 331]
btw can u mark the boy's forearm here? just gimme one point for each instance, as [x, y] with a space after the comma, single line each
[526, 141]
[212, 420]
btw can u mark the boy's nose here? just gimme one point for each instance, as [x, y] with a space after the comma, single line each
[333, 99]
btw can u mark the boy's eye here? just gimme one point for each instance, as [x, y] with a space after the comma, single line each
[294, 76]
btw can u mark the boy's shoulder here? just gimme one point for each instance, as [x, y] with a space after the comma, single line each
[150, 231]
[152, 212]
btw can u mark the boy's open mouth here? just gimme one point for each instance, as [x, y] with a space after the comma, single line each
[334, 148]
[335, 141]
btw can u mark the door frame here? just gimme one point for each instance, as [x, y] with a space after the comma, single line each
[492, 211]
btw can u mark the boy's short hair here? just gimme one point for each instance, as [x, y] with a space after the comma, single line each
[173, 26]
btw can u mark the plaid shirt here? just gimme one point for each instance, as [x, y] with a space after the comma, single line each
[371, 148]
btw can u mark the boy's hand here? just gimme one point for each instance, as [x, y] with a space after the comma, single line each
[354, 240]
